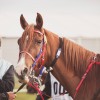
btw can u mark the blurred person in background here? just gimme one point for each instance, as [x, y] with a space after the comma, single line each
[6, 80]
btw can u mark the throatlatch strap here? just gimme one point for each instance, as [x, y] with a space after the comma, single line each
[57, 53]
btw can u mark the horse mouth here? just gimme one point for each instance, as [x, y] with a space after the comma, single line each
[20, 77]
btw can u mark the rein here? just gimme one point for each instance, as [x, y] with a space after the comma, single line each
[20, 88]
[31, 85]
[85, 74]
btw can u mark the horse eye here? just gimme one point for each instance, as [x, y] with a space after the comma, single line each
[39, 41]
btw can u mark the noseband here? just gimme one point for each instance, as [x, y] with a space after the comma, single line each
[28, 54]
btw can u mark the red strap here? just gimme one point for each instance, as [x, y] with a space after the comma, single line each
[41, 55]
[84, 76]
[36, 88]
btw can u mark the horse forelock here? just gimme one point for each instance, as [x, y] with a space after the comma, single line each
[28, 34]
[30, 31]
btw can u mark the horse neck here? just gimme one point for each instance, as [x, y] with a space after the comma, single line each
[76, 60]
[76, 57]
[71, 64]
[59, 67]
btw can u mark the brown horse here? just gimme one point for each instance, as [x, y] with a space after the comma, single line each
[70, 66]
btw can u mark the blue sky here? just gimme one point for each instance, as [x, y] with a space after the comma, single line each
[64, 17]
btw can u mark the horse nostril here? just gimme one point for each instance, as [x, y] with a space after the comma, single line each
[25, 70]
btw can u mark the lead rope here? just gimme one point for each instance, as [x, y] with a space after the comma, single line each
[33, 86]
[20, 88]
[36, 88]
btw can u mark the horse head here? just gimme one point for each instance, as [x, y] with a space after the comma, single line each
[31, 48]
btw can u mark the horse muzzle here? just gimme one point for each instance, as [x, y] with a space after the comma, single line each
[23, 77]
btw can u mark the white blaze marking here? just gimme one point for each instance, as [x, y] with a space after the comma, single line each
[21, 65]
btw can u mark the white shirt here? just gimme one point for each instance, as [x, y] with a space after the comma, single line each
[4, 66]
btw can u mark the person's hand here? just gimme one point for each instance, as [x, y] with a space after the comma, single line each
[11, 95]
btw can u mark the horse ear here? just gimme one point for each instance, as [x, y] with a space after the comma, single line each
[39, 21]
[23, 22]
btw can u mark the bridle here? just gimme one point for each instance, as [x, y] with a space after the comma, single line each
[40, 54]
[35, 60]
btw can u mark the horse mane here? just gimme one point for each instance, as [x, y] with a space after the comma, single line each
[76, 56]
[77, 59]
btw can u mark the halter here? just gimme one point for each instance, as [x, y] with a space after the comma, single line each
[39, 56]
[35, 60]
[41, 53]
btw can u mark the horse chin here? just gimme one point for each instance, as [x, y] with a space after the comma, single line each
[25, 80]
[22, 79]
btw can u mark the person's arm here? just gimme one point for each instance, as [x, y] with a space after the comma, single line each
[7, 96]
[3, 96]
[7, 82]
